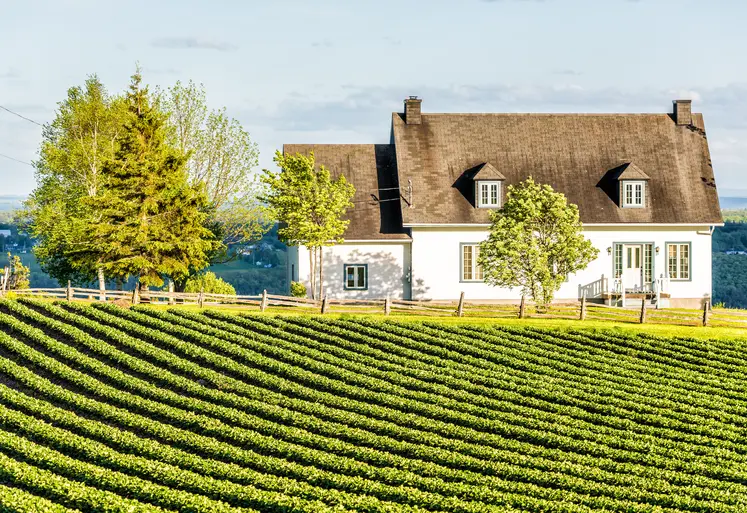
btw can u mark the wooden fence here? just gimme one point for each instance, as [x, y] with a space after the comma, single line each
[580, 310]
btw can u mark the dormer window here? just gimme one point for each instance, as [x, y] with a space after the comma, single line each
[633, 185]
[488, 194]
[488, 184]
[634, 193]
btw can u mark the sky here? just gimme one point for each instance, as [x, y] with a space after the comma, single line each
[332, 71]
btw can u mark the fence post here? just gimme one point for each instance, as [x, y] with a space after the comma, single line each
[135, 295]
[460, 308]
[324, 304]
[4, 280]
[622, 294]
[387, 305]
[201, 298]
[643, 309]
[69, 291]
[582, 315]
[705, 313]
[172, 300]
[102, 291]
[522, 308]
[263, 303]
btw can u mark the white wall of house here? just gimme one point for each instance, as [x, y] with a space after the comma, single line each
[387, 265]
[436, 262]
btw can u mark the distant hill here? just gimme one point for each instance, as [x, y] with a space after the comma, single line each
[8, 203]
[732, 202]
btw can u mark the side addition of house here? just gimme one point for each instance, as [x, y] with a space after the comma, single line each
[643, 183]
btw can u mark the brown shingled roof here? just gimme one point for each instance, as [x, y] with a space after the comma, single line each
[372, 169]
[487, 171]
[630, 171]
[577, 154]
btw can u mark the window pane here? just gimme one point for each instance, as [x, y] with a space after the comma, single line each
[672, 260]
[484, 194]
[494, 194]
[478, 269]
[466, 262]
[618, 260]
[684, 262]
[647, 262]
[638, 194]
[630, 258]
[351, 277]
[628, 194]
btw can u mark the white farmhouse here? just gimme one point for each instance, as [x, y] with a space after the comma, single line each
[643, 183]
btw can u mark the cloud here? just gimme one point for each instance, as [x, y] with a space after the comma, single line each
[192, 43]
[567, 72]
[325, 43]
[9, 73]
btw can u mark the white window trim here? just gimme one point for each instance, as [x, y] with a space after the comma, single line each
[478, 193]
[475, 266]
[358, 269]
[633, 183]
[678, 260]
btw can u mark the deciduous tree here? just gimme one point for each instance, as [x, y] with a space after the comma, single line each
[309, 206]
[76, 145]
[535, 242]
[222, 156]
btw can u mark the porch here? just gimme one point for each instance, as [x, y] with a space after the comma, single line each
[614, 292]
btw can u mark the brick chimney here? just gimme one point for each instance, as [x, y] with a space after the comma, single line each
[683, 112]
[412, 110]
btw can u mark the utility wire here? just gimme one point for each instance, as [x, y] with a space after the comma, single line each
[21, 161]
[22, 117]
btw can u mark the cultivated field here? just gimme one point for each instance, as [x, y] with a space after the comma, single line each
[105, 409]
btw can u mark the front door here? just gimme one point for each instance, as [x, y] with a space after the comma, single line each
[633, 266]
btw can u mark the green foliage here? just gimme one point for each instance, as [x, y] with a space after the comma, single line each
[308, 204]
[77, 144]
[535, 242]
[221, 156]
[298, 289]
[734, 215]
[210, 283]
[147, 410]
[152, 221]
[18, 274]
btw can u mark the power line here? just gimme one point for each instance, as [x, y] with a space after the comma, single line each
[21, 161]
[20, 116]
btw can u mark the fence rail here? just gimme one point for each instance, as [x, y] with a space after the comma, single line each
[581, 310]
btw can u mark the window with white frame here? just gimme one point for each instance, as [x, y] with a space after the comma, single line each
[634, 194]
[356, 276]
[471, 270]
[678, 260]
[488, 194]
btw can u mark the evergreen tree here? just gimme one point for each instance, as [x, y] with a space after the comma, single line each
[153, 220]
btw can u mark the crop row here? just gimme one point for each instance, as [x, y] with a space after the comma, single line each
[519, 476]
[519, 355]
[589, 397]
[172, 476]
[543, 439]
[507, 407]
[338, 381]
[417, 450]
[520, 492]
[592, 406]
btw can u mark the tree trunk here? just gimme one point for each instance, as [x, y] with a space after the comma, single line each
[321, 273]
[311, 273]
[102, 284]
